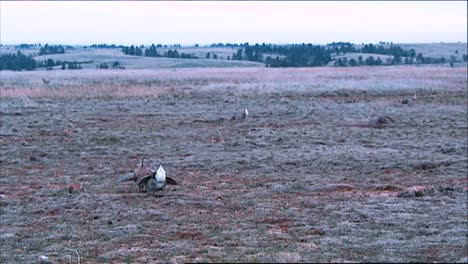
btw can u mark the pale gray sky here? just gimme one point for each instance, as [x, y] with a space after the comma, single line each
[146, 22]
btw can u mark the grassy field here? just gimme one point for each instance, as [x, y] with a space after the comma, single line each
[108, 56]
[316, 81]
[437, 50]
[303, 179]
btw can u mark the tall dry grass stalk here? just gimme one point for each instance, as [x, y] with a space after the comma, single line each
[136, 83]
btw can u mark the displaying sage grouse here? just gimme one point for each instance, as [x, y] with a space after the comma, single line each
[379, 121]
[140, 172]
[242, 117]
[156, 181]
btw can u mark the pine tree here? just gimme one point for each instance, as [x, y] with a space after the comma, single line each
[352, 63]
[378, 61]
[370, 60]
[138, 52]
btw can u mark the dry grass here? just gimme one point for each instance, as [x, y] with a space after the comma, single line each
[296, 181]
[131, 83]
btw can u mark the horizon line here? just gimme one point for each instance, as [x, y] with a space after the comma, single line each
[224, 43]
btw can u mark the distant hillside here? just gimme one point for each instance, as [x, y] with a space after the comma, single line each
[98, 56]
[201, 52]
[345, 54]
[340, 54]
[437, 50]
[355, 56]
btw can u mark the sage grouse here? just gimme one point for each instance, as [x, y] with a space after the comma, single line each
[242, 117]
[45, 81]
[379, 121]
[156, 181]
[140, 172]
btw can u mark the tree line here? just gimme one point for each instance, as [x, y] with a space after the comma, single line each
[153, 52]
[292, 55]
[51, 49]
[395, 60]
[302, 55]
[298, 55]
[17, 61]
[106, 46]
[26, 46]
[115, 65]
[308, 55]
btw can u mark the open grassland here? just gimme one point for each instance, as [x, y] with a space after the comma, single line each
[301, 179]
[432, 50]
[98, 56]
[314, 81]
[437, 50]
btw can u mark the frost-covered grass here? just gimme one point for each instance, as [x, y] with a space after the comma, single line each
[128, 83]
[301, 179]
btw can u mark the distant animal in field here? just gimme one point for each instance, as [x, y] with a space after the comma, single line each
[142, 174]
[410, 101]
[242, 117]
[156, 181]
[376, 121]
[379, 121]
[246, 113]
[45, 81]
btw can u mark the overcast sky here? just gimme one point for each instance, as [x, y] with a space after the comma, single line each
[146, 22]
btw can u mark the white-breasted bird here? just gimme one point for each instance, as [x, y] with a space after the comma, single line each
[246, 113]
[242, 117]
[156, 181]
